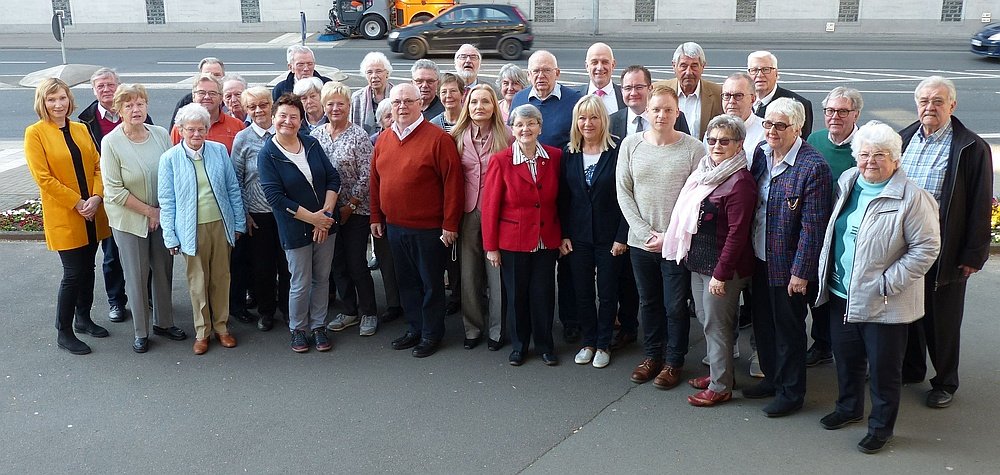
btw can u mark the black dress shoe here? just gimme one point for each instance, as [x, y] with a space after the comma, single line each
[494, 345]
[781, 408]
[172, 333]
[390, 314]
[243, 316]
[939, 398]
[816, 357]
[471, 343]
[266, 323]
[572, 335]
[405, 342]
[90, 328]
[872, 445]
[141, 345]
[550, 359]
[425, 348]
[117, 314]
[621, 340]
[452, 307]
[758, 391]
[516, 358]
[836, 420]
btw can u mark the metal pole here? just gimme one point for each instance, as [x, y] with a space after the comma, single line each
[62, 29]
[597, 17]
[302, 21]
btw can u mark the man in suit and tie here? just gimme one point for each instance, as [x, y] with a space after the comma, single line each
[763, 68]
[600, 64]
[636, 84]
[700, 100]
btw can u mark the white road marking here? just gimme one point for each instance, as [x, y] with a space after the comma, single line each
[195, 63]
[22, 62]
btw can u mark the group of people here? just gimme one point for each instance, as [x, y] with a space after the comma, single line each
[627, 202]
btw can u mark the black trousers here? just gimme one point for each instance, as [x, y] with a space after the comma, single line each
[566, 296]
[240, 280]
[528, 280]
[779, 326]
[628, 300]
[820, 330]
[938, 333]
[114, 276]
[597, 322]
[76, 290]
[269, 268]
[350, 267]
[879, 348]
[420, 258]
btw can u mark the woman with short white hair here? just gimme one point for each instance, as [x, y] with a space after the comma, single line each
[309, 90]
[364, 102]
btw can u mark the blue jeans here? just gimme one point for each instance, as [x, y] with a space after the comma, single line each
[419, 257]
[663, 290]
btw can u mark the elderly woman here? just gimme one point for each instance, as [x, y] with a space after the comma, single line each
[883, 236]
[479, 133]
[793, 182]
[710, 232]
[451, 91]
[64, 162]
[268, 269]
[202, 216]
[364, 102]
[301, 185]
[510, 80]
[309, 91]
[383, 114]
[519, 196]
[652, 169]
[350, 151]
[593, 226]
[130, 157]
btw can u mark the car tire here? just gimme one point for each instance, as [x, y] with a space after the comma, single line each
[373, 27]
[510, 49]
[413, 48]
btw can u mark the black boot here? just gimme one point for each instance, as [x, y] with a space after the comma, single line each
[87, 325]
[69, 342]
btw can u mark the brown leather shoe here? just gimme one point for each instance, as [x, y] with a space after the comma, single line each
[227, 340]
[708, 398]
[668, 377]
[646, 370]
[200, 346]
[700, 382]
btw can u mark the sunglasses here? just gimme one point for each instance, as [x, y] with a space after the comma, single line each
[724, 142]
[781, 126]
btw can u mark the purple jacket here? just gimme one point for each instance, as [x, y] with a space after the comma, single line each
[798, 209]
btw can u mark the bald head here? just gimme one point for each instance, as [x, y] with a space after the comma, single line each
[600, 64]
[543, 72]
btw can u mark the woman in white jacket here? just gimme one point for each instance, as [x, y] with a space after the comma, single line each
[882, 238]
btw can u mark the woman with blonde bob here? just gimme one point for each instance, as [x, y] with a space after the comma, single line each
[130, 157]
[479, 133]
[594, 231]
[64, 162]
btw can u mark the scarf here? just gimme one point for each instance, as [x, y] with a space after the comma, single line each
[362, 111]
[684, 218]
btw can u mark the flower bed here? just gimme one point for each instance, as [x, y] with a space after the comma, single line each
[995, 221]
[24, 218]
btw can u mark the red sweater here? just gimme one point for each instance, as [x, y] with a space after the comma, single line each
[417, 182]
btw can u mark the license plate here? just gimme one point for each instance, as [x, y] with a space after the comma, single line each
[977, 43]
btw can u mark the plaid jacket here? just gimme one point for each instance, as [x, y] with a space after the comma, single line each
[798, 209]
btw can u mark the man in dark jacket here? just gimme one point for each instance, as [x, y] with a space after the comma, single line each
[955, 165]
[301, 64]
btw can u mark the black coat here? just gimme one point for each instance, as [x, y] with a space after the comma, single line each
[89, 118]
[591, 214]
[619, 123]
[288, 84]
[966, 202]
[806, 104]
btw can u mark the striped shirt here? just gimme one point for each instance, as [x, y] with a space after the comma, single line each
[925, 160]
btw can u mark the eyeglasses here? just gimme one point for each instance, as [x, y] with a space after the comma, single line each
[463, 57]
[765, 70]
[211, 94]
[724, 142]
[195, 130]
[734, 97]
[637, 87]
[545, 71]
[399, 102]
[877, 156]
[372, 72]
[255, 106]
[828, 111]
[419, 82]
[781, 126]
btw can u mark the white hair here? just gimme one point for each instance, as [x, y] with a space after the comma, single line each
[297, 49]
[937, 81]
[376, 57]
[763, 55]
[691, 50]
[880, 136]
[193, 112]
[307, 85]
[790, 108]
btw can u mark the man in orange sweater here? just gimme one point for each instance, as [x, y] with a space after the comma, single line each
[417, 193]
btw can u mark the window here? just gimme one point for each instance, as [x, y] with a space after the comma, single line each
[951, 10]
[492, 14]
[746, 11]
[848, 12]
[154, 12]
[645, 11]
[64, 6]
[250, 11]
[545, 11]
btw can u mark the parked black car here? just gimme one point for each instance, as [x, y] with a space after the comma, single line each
[987, 41]
[500, 28]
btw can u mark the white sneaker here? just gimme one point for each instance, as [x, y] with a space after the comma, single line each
[369, 323]
[755, 366]
[601, 359]
[736, 355]
[584, 356]
[342, 321]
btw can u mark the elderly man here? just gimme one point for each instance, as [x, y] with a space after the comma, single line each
[552, 99]
[763, 68]
[207, 91]
[955, 165]
[233, 86]
[636, 84]
[415, 158]
[737, 100]
[101, 118]
[600, 64]
[425, 76]
[468, 60]
[209, 65]
[698, 99]
[301, 64]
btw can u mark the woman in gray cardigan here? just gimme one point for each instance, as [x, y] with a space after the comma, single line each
[130, 155]
[882, 238]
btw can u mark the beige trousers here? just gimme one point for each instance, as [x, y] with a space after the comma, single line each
[208, 280]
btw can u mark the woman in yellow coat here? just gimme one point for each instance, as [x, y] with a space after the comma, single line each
[66, 166]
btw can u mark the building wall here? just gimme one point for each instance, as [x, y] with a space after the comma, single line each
[572, 16]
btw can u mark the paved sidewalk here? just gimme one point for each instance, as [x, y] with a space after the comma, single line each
[16, 184]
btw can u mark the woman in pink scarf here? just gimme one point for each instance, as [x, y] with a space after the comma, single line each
[710, 231]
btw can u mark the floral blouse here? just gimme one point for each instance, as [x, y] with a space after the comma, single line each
[351, 155]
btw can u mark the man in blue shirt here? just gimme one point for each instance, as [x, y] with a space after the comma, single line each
[554, 100]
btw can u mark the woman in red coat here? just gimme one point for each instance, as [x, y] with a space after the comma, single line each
[521, 232]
